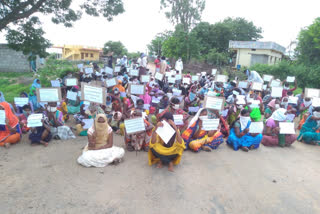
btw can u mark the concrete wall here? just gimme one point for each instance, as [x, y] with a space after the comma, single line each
[244, 56]
[12, 61]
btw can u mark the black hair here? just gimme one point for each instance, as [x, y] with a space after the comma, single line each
[163, 57]
[140, 101]
[244, 111]
[233, 84]
[317, 109]
[26, 107]
[289, 93]
[175, 100]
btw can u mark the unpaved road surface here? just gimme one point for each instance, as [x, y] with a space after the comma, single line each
[268, 180]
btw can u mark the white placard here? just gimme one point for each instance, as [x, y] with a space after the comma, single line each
[275, 83]
[146, 106]
[241, 100]
[159, 76]
[212, 93]
[287, 128]
[93, 94]
[290, 79]
[137, 89]
[178, 119]
[72, 95]
[134, 73]
[21, 101]
[176, 92]
[290, 117]
[312, 92]
[49, 95]
[255, 104]
[315, 102]
[87, 123]
[108, 70]
[55, 83]
[123, 94]
[186, 80]
[178, 77]
[276, 91]
[88, 70]
[2, 117]
[111, 82]
[257, 86]
[145, 78]
[79, 93]
[243, 84]
[265, 87]
[156, 100]
[221, 78]
[214, 71]
[256, 127]
[134, 125]
[71, 82]
[267, 78]
[203, 73]
[195, 78]
[214, 103]
[293, 100]
[117, 69]
[172, 80]
[34, 120]
[193, 109]
[80, 66]
[165, 132]
[168, 74]
[210, 124]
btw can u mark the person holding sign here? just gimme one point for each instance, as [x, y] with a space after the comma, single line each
[119, 87]
[309, 132]
[272, 136]
[10, 132]
[254, 105]
[305, 110]
[239, 135]
[196, 138]
[18, 108]
[40, 135]
[271, 107]
[33, 94]
[23, 118]
[73, 106]
[100, 150]
[168, 153]
[286, 87]
[191, 100]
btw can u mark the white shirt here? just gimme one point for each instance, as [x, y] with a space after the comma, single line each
[255, 77]
[144, 62]
[179, 65]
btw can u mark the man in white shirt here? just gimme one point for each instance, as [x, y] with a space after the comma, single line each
[179, 65]
[253, 76]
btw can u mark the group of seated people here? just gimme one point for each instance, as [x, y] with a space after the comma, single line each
[156, 106]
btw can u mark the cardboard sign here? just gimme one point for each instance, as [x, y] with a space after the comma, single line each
[178, 119]
[117, 69]
[290, 79]
[214, 71]
[275, 83]
[48, 95]
[145, 78]
[159, 76]
[168, 74]
[176, 92]
[72, 95]
[195, 78]
[210, 124]
[165, 132]
[87, 123]
[2, 117]
[80, 66]
[94, 94]
[243, 84]
[108, 70]
[34, 120]
[257, 86]
[71, 81]
[256, 127]
[172, 80]
[134, 73]
[186, 80]
[88, 70]
[312, 92]
[134, 125]
[21, 101]
[276, 91]
[216, 103]
[193, 109]
[315, 102]
[55, 83]
[221, 78]
[267, 78]
[265, 87]
[111, 82]
[293, 100]
[137, 89]
[241, 100]
[287, 128]
[203, 73]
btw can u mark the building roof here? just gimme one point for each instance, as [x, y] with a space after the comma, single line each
[257, 45]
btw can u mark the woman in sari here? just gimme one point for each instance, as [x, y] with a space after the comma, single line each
[100, 150]
[305, 109]
[74, 105]
[10, 133]
[197, 139]
[18, 109]
[56, 122]
[254, 105]
[271, 107]
[170, 153]
[191, 100]
[41, 135]
[138, 141]
[240, 136]
[224, 126]
[128, 106]
[33, 94]
[23, 118]
[174, 108]
[163, 104]
[309, 132]
[2, 99]
[272, 136]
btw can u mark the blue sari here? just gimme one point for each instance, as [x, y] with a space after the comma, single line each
[244, 141]
[32, 97]
[308, 131]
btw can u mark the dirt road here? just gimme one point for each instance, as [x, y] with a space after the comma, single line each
[268, 180]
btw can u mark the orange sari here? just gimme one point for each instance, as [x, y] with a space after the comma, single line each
[5, 134]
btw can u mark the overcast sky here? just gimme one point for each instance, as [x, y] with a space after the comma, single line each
[281, 21]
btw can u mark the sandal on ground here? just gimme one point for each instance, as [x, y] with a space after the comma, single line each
[206, 148]
[245, 149]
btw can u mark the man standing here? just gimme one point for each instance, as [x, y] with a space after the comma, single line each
[157, 63]
[179, 66]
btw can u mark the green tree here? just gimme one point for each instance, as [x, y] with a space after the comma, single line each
[19, 16]
[308, 48]
[155, 47]
[185, 12]
[217, 58]
[117, 48]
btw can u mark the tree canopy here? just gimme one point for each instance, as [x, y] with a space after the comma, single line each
[18, 17]
[117, 48]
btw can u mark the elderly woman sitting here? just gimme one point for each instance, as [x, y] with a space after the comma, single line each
[100, 150]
